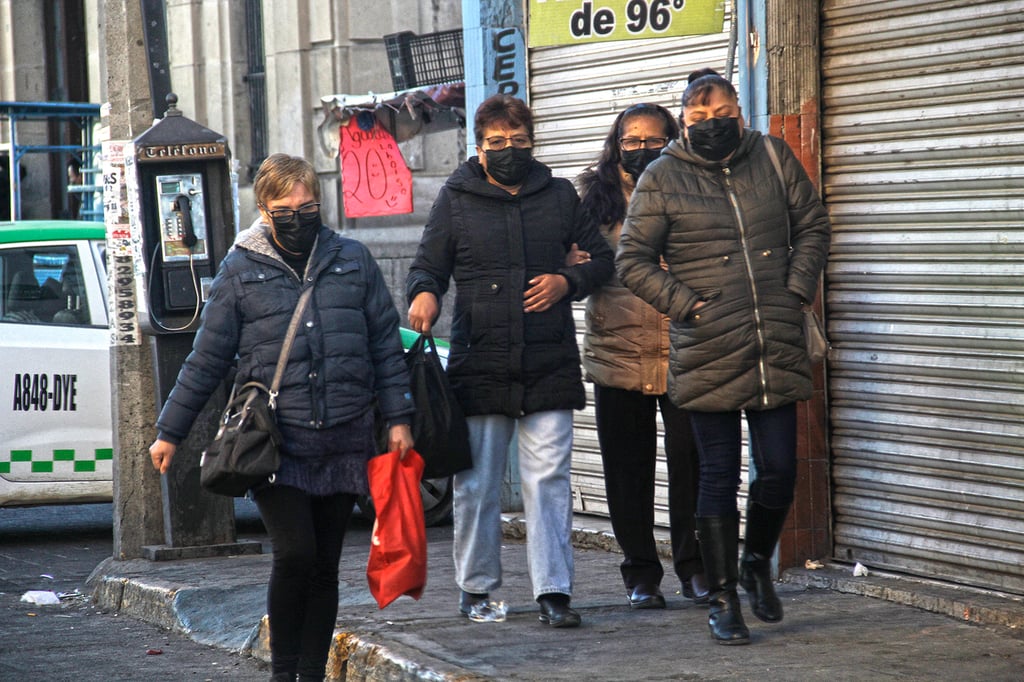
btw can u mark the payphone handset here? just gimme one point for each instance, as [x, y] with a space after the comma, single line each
[182, 217]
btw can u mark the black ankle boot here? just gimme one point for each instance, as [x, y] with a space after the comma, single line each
[763, 528]
[718, 546]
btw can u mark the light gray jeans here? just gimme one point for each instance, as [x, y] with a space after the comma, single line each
[545, 455]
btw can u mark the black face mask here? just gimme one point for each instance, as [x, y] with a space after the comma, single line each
[509, 166]
[298, 234]
[714, 138]
[635, 161]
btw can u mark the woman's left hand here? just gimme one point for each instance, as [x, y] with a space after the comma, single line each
[400, 438]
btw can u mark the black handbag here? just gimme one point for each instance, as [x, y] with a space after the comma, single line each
[815, 339]
[439, 427]
[245, 452]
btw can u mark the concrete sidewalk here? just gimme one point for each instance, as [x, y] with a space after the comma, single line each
[837, 627]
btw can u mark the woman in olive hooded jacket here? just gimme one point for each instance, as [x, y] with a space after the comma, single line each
[744, 250]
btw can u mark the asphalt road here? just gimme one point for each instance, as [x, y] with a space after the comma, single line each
[54, 549]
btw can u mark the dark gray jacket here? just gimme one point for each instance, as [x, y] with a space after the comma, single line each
[347, 350]
[502, 360]
[723, 231]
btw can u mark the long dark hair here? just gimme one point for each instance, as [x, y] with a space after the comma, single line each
[600, 185]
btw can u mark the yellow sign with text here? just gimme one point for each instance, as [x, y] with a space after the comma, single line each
[566, 22]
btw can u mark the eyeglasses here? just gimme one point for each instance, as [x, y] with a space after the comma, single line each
[631, 144]
[288, 214]
[518, 141]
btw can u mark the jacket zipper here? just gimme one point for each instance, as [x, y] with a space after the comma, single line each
[753, 286]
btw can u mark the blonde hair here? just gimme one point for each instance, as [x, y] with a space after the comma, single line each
[277, 175]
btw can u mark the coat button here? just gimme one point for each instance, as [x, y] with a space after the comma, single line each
[309, 324]
[494, 287]
[725, 259]
[766, 252]
[696, 316]
[261, 276]
[648, 387]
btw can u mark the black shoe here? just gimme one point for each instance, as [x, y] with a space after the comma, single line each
[755, 571]
[646, 596]
[696, 588]
[756, 579]
[555, 611]
[718, 547]
[468, 599]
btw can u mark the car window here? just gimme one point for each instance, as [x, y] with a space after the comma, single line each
[42, 285]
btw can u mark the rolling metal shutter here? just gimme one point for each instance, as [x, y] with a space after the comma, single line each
[923, 139]
[575, 93]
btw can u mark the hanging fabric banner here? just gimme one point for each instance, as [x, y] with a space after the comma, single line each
[375, 180]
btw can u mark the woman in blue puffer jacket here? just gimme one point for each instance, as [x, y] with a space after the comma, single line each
[347, 353]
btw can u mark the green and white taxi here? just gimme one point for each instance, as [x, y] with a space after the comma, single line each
[56, 431]
[55, 417]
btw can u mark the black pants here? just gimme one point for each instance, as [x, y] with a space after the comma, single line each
[627, 432]
[307, 533]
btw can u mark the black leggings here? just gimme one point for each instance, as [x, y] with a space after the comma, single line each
[307, 533]
[628, 434]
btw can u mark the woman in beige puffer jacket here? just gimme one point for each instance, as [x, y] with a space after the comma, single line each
[625, 355]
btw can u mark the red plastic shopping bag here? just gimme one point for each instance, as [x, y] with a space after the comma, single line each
[398, 548]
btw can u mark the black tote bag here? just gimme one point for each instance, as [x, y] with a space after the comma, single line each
[439, 427]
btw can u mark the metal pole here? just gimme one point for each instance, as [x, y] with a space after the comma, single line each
[138, 512]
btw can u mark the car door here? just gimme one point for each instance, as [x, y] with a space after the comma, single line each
[55, 416]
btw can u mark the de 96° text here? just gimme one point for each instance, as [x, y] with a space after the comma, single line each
[641, 16]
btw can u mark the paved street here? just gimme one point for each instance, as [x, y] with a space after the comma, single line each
[55, 549]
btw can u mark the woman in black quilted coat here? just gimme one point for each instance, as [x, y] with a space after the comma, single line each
[745, 246]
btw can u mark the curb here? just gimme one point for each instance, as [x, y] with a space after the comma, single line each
[969, 604]
[354, 656]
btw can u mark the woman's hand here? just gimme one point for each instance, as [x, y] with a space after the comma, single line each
[161, 452]
[544, 292]
[576, 256]
[400, 438]
[423, 312]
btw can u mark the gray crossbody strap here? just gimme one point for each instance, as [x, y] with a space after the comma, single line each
[286, 347]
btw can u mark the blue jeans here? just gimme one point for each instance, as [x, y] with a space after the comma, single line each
[772, 454]
[545, 455]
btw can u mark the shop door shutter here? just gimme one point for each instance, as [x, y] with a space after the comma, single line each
[923, 139]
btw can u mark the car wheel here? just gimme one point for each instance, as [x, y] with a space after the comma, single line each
[437, 502]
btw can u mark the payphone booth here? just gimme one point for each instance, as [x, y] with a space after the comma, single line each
[187, 220]
[182, 226]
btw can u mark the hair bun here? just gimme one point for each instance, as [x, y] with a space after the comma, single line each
[700, 73]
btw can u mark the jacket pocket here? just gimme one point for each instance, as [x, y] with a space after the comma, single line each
[341, 285]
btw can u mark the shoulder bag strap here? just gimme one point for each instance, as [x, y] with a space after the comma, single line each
[286, 347]
[785, 190]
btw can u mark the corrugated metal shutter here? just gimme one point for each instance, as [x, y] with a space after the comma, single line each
[923, 139]
[575, 93]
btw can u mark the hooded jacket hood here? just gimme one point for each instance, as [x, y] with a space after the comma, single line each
[470, 177]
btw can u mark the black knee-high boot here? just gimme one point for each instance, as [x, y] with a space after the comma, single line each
[763, 528]
[719, 537]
